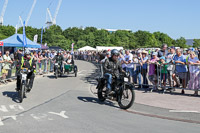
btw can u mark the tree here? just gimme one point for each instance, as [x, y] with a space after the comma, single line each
[145, 39]
[196, 43]
[163, 38]
[181, 42]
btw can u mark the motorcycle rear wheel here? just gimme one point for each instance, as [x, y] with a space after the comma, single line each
[101, 94]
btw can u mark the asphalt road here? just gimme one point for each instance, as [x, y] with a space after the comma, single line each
[66, 105]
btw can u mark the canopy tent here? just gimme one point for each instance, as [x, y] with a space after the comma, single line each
[16, 40]
[100, 48]
[87, 48]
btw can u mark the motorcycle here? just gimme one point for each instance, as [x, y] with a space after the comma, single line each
[24, 81]
[123, 91]
[58, 71]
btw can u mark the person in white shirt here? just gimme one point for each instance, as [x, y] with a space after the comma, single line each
[129, 65]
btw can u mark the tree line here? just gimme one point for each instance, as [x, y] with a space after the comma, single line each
[91, 36]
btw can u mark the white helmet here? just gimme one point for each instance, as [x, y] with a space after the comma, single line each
[27, 52]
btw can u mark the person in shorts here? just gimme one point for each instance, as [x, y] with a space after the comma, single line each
[181, 69]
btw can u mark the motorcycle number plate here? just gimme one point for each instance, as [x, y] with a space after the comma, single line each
[126, 79]
[23, 76]
[56, 64]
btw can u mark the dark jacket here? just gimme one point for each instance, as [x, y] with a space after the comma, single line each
[27, 64]
[112, 67]
[162, 53]
[58, 58]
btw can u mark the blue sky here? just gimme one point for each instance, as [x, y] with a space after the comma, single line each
[175, 17]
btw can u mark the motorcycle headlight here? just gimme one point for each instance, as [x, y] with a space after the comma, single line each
[24, 70]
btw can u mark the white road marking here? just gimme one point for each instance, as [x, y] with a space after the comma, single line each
[16, 107]
[39, 116]
[35, 117]
[14, 117]
[183, 111]
[62, 114]
[1, 123]
[3, 108]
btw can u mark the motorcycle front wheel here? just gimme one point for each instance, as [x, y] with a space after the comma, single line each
[21, 93]
[56, 74]
[126, 98]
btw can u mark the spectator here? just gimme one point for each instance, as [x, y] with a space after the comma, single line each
[194, 82]
[163, 51]
[143, 63]
[122, 59]
[163, 72]
[137, 73]
[181, 69]
[129, 65]
[40, 58]
[52, 55]
[6, 65]
[170, 68]
[44, 55]
[1, 61]
[152, 71]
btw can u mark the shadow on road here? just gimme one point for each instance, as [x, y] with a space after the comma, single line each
[64, 76]
[12, 95]
[91, 78]
[95, 100]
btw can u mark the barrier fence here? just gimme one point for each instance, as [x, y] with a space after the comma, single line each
[166, 77]
[42, 67]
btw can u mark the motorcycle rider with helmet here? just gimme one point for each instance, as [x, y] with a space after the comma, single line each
[59, 59]
[112, 69]
[26, 61]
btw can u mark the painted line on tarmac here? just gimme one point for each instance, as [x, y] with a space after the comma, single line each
[161, 117]
[183, 111]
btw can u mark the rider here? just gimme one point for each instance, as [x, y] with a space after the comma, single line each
[27, 61]
[112, 69]
[59, 59]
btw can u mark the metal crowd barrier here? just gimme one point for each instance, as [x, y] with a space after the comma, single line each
[163, 77]
[41, 68]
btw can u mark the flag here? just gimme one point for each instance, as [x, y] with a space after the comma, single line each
[35, 38]
[24, 36]
[41, 35]
[72, 48]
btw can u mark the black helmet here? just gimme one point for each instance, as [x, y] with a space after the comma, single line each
[115, 52]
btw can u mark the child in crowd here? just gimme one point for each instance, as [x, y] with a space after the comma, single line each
[163, 66]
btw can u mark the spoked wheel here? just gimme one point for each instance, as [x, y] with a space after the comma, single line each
[56, 74]
[75, 70]
[22, 93]
[101, 93]
[127, 98]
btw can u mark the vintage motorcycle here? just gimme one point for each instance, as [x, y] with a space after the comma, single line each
[124, 91]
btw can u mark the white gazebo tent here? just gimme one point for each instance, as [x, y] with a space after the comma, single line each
[87, 48]
[100, 48]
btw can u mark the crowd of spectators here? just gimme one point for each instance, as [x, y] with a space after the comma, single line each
[168, 67]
